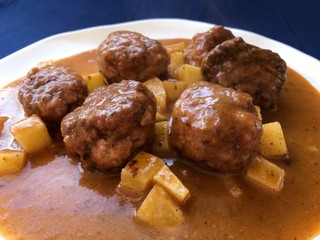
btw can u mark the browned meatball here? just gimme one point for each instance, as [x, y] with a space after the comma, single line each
[51, 92]
[202, 43]
[130, 55]
[216, 127]
[239, 65]
[113, 122]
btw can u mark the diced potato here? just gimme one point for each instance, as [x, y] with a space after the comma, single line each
[176, 60]
[94, 81]
[169, 181]
[155, 85]
[259, 112]
[11, 161]
[3, 119]
[175, 47]
[137, 175]
[266, 174]
[161, 143]
[190, 74]
[272, 143]
[31, 133]
[174, 89]
[159, 209]
[162, 116]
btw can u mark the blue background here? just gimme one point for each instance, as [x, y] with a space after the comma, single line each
[296, 23]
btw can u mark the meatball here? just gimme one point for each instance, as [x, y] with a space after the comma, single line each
[130, 55]
[247, 68]
[216, 127]
[113, 123]
[51, 92]
[202, 43]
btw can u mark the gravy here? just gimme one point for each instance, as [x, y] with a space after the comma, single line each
[52, 199]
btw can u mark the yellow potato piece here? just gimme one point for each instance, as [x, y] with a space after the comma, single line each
[159, 209]
[174, 89]
[11, 161]
[162, 116]
[272, 144]
[189, 74]
[258, 109]
[31, 134]
[161, 143]
[94, 81]
[265, 173]
[176, 60]
[155, 85]
[170, 182]
[175, 47]
[137, 175]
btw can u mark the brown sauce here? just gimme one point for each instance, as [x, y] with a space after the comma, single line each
[52, 199]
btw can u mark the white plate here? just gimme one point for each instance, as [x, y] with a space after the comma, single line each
[62, 45]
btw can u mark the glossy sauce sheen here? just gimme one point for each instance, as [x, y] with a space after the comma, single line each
[52, 199]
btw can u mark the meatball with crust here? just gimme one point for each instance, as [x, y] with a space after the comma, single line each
[114, 122]
[202, 43]
[51, 92]
[216, 127]
[247, 68]
[130, 55]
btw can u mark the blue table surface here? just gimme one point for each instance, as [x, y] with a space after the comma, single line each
[294, 22]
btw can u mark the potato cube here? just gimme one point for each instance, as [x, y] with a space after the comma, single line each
[137, 175]
[175, 47]
[161, 143]
[266, 174]
[2, 122]
[190, 74]
[155, 85]
[31, 133]
[176, 60]
[159, 209]
[174, 89]
[11, 161]
[169, 181]
[94, 81]
[272, 143]
[258, 109]
[162, 116]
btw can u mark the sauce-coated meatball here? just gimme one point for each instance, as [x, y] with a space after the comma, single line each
[51, 92]
[130, 55]
[216, 127]
[114, 122]
[247, 68]
[202, 43]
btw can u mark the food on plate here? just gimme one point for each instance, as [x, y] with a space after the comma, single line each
[138, 174]
[161, 144]
[12, 161]
[31, 134]
[169, 181]
[51, 92]
[94, 81]
[159, 209]
[239, 65]
[266, 173]
[125, 163]
[114, 122]
[202, 43]
[272, 144]
[131, 56]
[216, 127]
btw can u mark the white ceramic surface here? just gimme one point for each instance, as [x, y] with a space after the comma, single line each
[62, 45]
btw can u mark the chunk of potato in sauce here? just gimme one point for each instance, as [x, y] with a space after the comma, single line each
[52, 199]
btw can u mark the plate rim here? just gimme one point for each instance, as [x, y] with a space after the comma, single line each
[17, 64]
